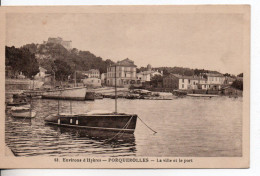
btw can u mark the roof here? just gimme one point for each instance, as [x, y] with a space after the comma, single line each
[93, 70]
[42, 69]
[188, 77]
[214, 75]
[126, 62]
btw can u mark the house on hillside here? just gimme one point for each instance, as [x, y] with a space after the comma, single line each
[41, 75]
[59, 40]
[125, 73]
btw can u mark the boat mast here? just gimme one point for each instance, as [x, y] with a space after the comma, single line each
[115, 92]
[75, 81]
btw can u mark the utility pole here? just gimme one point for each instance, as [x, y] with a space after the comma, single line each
[53, 78]
[115, 92]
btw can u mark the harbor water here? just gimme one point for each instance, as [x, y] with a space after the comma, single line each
[194, 127]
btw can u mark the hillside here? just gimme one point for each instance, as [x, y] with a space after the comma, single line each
[76, 59]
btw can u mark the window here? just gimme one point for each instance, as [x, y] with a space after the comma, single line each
[182, 85]
[183, 80]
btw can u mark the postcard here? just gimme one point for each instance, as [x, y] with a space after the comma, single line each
[125, 86]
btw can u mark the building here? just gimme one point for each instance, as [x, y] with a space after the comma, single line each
[175, 81]
[125, 73]
[92, 82]
[103, 78]
[92, 73]
[59, 40]
[145, 76]
[215, 78]
[211, 82]
[42, 73]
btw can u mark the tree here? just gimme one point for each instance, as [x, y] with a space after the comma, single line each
[240, 75]
[21, 60]
[227, 74]
[62, 70]
[156, 80]
[166, 72]
[238, 84]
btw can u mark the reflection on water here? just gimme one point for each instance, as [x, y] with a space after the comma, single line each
[186, 127]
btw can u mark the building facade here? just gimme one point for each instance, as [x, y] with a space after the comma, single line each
[92, 73]
[92, 82]
[175, 81]
[145, 76]
[59, 40]
[125, 73]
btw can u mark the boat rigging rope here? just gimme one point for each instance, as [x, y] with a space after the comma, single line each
[126, 125]
[146, 125]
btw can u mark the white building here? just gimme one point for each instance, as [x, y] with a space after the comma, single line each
[215, 78]
[92, 82]
[103, 78]
[42, 73]
[92, 73]
[125, 73]
[148, 74]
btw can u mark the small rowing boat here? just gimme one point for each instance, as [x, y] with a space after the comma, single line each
[22, 112]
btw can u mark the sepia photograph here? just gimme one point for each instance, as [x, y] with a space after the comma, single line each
[140, 85]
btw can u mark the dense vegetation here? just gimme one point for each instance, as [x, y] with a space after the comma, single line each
[54, 58]
[238, 84]
[180, 71]
[21, 60]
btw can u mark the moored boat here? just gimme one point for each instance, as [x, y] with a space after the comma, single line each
[75, 93]
[96, 120]
[119, 122]
[23, 112]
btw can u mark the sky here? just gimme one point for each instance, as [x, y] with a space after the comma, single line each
[206, 41]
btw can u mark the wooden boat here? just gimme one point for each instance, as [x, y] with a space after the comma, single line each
[75, 93]
[96, 120]
[119, 122]
[17, 104]
[22, 112]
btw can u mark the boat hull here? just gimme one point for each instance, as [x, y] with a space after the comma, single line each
[77, 93]
[26, 114]
[116, 122]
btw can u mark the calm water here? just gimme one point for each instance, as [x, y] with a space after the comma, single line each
[186, 127]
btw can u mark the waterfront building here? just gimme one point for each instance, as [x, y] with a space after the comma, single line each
[215, 78]
[125, 73]
[145, 76]
[92, 82]
[103, 78]
[176, 81]
[211, 82]
[92, 73]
